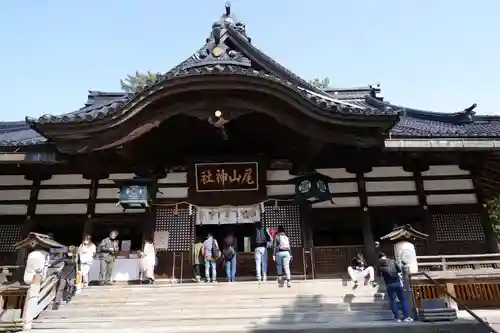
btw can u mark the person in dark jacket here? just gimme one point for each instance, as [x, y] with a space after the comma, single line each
[229, 254]
[391, 273]
[107, 255]
[67, 276]
[261, 240]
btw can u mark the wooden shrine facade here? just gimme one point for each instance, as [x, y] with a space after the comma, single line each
[230, 126]
[442, 201]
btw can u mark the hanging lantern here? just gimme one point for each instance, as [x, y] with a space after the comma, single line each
[312, 187]
[134, 193]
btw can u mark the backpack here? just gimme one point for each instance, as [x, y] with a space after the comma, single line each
[261, 236]
[229, 253]
[282, 242]
[215, 249]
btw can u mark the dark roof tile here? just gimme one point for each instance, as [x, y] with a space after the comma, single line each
[18, 133]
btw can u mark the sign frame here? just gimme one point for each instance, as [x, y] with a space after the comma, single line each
[253, 163]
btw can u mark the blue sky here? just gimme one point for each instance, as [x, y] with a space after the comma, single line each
[440, 55]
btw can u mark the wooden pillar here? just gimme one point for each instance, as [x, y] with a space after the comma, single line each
[431, 243]
[148, 226]
[366, 223]
[29, 223]
[307, 238]
[489, 234]
[94, 187]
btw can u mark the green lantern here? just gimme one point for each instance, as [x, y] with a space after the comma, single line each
[134, 193]
[312, 187]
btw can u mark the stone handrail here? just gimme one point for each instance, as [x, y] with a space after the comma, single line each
[456, 264]
[39, 295]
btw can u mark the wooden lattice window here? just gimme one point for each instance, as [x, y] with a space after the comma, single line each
[10, 234]
[457, 227]
[180, 226]
[286, 215]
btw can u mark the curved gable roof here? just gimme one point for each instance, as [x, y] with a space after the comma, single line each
[230, 49]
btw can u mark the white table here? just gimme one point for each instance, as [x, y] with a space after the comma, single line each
[124, 270]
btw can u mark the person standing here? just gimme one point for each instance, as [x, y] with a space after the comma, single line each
[148, 261]
[282, 255]
[260, 251]
[107, 256]
[196, 259]
[211, 253]
[67, 276]
[86, 255]
[391, 273]
[229, 253]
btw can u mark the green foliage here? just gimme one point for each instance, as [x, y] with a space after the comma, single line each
[494, 213]
[137, 82]
[321, 83]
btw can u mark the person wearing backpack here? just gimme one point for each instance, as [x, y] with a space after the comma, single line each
[229, 254]
[260, 251]
[391, 273]
[282, 255]
[211, 252]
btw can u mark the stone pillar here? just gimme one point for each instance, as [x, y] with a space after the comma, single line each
[405, 253]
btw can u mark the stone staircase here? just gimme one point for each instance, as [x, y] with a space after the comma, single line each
[309, 306]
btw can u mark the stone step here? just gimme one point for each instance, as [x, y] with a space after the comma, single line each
[242, 304]
[316, 284]
[209, 289]
[168, 316]
[220, 301]
[244, 319]
[458, 326]
[68, 309]
[172, 313]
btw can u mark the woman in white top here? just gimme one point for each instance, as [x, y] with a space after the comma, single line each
[86, 253]
[148, 261]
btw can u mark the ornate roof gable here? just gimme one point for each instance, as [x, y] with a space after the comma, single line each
[228, 49]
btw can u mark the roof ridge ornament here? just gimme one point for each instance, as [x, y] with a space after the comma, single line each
[217, 50]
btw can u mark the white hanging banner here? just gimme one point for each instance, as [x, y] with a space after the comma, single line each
[227, 215]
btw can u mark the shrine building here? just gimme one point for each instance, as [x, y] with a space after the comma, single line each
[229, 137]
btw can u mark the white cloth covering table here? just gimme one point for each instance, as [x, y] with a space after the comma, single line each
[124, 270]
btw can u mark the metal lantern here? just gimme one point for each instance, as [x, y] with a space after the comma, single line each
[134, 193]
[312, 187]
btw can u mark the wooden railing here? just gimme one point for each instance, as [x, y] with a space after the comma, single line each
[21, 303]
[473, 279]
[452, 298]
[39, 295]
[449, 266]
